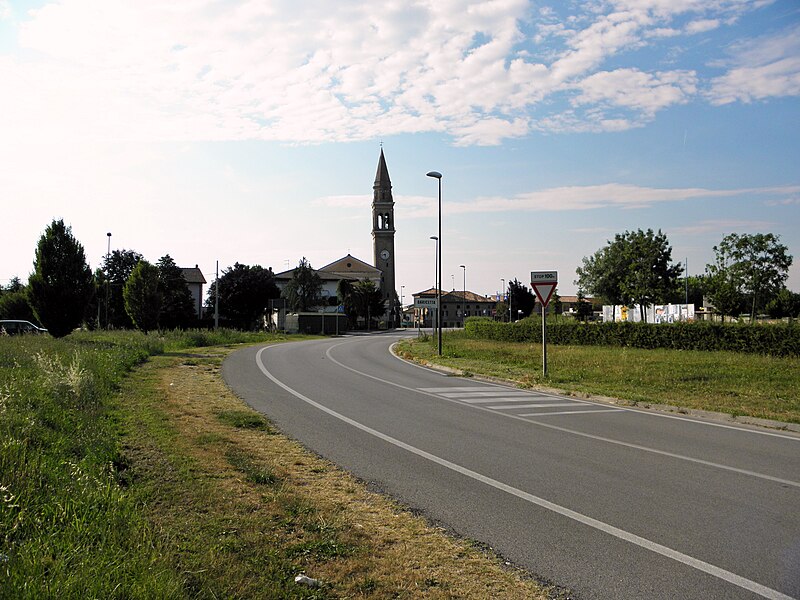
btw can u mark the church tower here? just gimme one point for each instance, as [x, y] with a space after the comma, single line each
[383, 236]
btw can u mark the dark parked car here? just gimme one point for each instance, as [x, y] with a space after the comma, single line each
[15, 327]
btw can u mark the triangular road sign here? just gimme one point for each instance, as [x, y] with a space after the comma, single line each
[544, 291]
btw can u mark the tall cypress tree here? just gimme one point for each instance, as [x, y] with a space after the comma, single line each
[62, 283]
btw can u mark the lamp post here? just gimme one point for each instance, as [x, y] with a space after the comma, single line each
[503, 288]
[438, 176]
[464, 307]
[108, 264]
[402, 308]
[435, 279]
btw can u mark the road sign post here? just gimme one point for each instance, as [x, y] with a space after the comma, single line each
[544, 284]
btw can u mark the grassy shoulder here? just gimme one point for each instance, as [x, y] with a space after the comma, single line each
[126, 481]
[241, 510]
[727, 382]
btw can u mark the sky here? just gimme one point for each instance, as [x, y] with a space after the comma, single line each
[250, 131]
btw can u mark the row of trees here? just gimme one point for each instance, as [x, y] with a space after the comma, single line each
[246, 292]
[748, 274]
[62, 292]
[128, 291]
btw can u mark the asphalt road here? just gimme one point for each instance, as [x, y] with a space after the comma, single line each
[607, 502]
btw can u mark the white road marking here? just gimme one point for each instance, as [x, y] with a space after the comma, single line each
[648, 413]
[590, 436]
[437, 390]
[482, 394]
[571, 412]
[551, 405]
[632, 538]
[502, 399]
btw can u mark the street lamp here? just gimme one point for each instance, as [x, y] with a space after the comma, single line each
[402, 308]
[108, 264]
[438, 176]
[435, 275]
[503, 282]
[464, 308]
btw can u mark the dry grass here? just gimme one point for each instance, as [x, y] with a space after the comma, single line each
[242, 509]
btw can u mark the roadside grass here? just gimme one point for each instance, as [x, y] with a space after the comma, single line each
[241, 509]
[727, 382]
[118, 481]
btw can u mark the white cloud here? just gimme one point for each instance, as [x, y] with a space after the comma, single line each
[721, 226]
[702, 25]
[567, 198]
[634, 89]
[308, 73]
[762, 68]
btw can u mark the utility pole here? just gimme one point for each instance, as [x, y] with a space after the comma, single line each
[216, 299]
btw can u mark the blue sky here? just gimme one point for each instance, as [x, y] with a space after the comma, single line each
[250, 131]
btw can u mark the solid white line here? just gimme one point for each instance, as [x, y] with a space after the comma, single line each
[550, 405]
[571, 412]
[632, 538]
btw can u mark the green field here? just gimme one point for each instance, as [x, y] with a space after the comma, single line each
[728, 382]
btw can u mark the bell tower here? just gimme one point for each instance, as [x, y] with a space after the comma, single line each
[383, 236]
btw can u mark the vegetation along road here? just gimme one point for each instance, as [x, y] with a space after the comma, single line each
[607, 501]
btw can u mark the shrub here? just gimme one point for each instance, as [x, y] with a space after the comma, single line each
[773, 339]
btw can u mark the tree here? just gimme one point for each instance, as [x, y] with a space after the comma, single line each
[117, 268]
[143, 297]
[368, 301]
[244, 294]
[635, 268]
[500, 311]
[650, 276]
[723, 285]
[14, 302]
[603, 273]
[520, 298]
[177, 309]
[697, 286]
[758, 264]
[584, 309]
[62, 283]
[785, 304]
[304, 290]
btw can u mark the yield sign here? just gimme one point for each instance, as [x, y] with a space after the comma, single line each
[544, 291]
[544, 283]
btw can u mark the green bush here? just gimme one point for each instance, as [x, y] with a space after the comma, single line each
[773, 339]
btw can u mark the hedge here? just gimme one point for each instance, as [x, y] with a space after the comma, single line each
[771, 339]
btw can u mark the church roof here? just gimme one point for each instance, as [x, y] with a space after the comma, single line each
[382, 175]
[352, 266]
[347, 267]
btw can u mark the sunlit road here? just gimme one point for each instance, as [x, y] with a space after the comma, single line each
[607, 502]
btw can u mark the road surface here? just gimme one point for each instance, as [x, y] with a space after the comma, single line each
[607, 502]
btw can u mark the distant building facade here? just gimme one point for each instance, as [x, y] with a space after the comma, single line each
[457, 306]
[195, 282]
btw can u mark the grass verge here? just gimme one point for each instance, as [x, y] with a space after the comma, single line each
[159, 483]
[727, 382]
[241, 509]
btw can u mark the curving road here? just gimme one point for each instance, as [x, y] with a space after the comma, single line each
[607, 502]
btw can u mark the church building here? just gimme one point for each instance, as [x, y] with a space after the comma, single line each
[351, 268]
